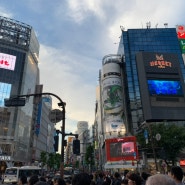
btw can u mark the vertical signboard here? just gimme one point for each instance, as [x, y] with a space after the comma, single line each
[112, 99]
[181, 36]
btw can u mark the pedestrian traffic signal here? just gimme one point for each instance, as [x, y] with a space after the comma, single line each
[56, 143]
[76, 147]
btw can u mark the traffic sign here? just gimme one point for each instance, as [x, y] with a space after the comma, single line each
[56, 115]
[15, 102]
[146, 134]
[158, 136]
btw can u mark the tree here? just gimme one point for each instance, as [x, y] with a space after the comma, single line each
[43, 158]
[51, 161]
[57, 160]
[89, 156]
[170, 145]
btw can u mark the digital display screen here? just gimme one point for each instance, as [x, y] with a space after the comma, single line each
[165, 87]
[7, 61]
[5, 90]
[122, 149]
[118, 149]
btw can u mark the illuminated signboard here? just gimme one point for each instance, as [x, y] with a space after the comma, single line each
[165, 87]
[180, 31]
[118, 149]
[5, 90]
[182, 45]
[7, 61]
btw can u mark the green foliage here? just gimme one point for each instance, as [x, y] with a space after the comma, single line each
[51, 159]
[89, 156]
[43, 158]
[170, 145]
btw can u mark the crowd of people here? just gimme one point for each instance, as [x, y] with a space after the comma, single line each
[174, 177]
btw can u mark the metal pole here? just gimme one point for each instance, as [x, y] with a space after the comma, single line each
[152, 144]
[62, 104]
[63, 138]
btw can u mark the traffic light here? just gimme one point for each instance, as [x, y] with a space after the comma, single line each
[76, 147]
[65, 142]
[56, 143]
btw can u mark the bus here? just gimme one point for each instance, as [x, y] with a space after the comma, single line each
[13, 174]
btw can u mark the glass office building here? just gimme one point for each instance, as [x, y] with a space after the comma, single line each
[133, 41]
[19, 75]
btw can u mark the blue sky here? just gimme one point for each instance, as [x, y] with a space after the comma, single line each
[75, 35]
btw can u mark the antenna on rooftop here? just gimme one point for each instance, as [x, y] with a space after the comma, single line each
[122, 28]
[148, 25]
[166, 25]
[156, 25]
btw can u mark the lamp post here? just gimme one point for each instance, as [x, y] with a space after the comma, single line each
[19, 100]
[152, 141]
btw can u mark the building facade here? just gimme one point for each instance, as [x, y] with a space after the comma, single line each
[19, 75]
[140, 50]
[134, 41]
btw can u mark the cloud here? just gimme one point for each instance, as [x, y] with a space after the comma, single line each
[83, 9]
[6, 13]
[70, 79]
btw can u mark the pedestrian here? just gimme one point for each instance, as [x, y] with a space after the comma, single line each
[59, 181]
[134, 179]
[124, 182]
[92, 179]
[22, 180]
[100, 179]
[124, 174]
[160, 179]
[68, 182]
[117, 179]
[33, 180]
[144, 176]
[81, 179]
[177, 174]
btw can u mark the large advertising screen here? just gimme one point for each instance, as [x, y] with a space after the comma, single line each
[5, 90]
[7, 61]
[165, 87]
[118, 149]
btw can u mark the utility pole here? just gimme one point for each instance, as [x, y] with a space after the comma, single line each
[144, 125]
[18, 100]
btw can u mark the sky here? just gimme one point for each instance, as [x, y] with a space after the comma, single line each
[75, 35]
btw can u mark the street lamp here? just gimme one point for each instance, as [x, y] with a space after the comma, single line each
[19, 100]
[152, 141]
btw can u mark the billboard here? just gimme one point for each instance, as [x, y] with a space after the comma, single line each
[164, 87]
[112, 99]
[121, 149]
[180, 29]
[5, 90]
[7, 61]
[161, 86]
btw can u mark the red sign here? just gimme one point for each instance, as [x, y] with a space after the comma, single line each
[121, 149]
[180, 32]
[182, 162]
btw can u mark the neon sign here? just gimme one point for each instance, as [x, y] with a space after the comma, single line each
[180, 32]
[7, 61]
[160, 62]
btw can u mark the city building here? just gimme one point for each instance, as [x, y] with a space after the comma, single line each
[19, 75]
[44, 131]
[126, 97]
